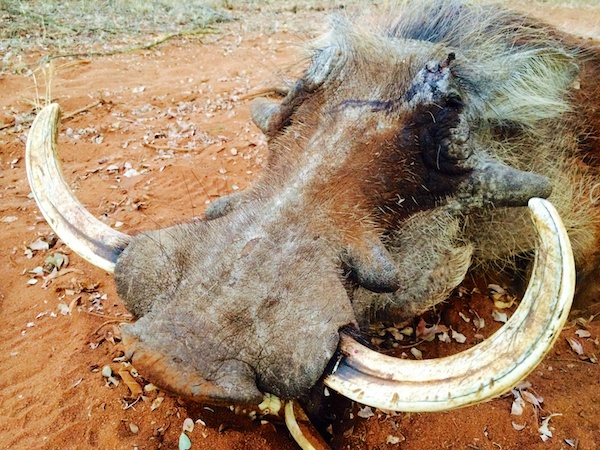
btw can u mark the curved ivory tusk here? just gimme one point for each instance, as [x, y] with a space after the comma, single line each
[487, 369]
[299, 426]
[81, 231]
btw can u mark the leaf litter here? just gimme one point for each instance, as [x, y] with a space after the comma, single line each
[545, 430]
[581, 343]
[501, 297]
[523, 394]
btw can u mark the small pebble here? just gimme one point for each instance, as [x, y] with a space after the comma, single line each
[106, 371]
[188, 425]
[156, 403]
[418, 354]
[184, 442]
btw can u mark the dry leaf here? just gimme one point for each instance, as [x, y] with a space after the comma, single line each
[499, 316]
[583, 333]
[377, 341]
[39, 245]
[544, 429]
[395, 333]
[408, 331]
[134, 387]
[496, 289]
[443, 337]
[505, 304]
[418, 354]
[184, 442]
[523, 385]
[156, 403]
[394, 439]
[576, 346]
[365, 412]
[533, 399]
[428, 333]
[458, 337]
[129, 173]
[349, 432]
[518, 404]
[421, 328]
[188, 425]
[479, 322]
[502, 299]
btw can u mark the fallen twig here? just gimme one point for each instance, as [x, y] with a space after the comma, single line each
[116, 319]
[584, 361]
[133, 48]
[8, 125]
[168, 147]
[84, 109]
[106, 322]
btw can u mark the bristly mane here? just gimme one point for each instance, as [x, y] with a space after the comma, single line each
[531, 97]
[515, 71]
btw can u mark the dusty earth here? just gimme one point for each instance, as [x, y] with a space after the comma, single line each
[162, 133]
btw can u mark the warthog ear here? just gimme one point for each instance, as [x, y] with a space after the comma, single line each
[272, 117]
[263, 112]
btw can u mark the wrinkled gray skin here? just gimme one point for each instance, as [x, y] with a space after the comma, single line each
[384, 173]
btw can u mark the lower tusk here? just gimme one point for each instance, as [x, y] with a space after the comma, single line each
[301, 429]
[81, 231]
[487, 369]
[296, 420]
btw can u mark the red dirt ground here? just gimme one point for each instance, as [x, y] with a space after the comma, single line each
[185, 99]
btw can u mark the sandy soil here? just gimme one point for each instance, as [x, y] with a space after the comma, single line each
[176, 114]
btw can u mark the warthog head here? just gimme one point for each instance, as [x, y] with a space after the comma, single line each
[377, 154]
